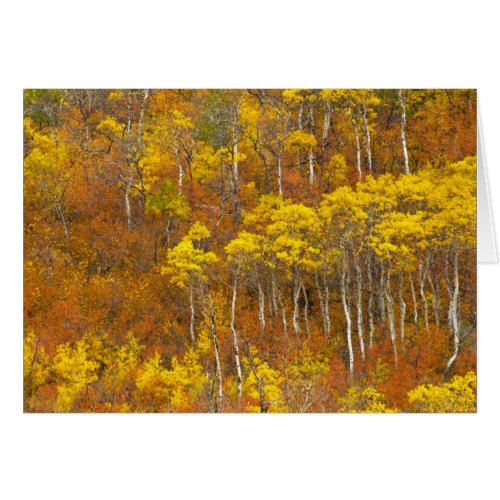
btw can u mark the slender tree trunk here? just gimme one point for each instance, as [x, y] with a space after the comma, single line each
[306, 310]
[63, 222]
[128, 209]
[218, 369]
[414, 300]
[168, 226]
[278, 173]
[234, 172]
[327, 307]
[296, 295]
[435, 298]
[262, 312]
[278, 300]
[371, 321]
[390, 315]
[179, 168]
[191, 309]
[358, 147]
[311, 154]
[130, 160]
[137, 155]
[421, 280]
[321, 302]
[323, 306]
[327, 116]
[347, 314]
[359, 308]
[274, 292]
[311, 167]
[454, 314]
[283, 314]
[402, 309]
[381, 300]
[402, 103]
[210, 320]
[235, 338]
[368, 140]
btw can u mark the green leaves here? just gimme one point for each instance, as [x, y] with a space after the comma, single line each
[168, 200]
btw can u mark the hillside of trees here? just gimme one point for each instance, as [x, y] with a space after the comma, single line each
[250, 250]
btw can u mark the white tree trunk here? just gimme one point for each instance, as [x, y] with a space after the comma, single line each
[179, 168]
[347, 314]
[191, 309]
[358, 147]
[274, 293]
[402, 103]
[368, 140]
[210, 321]
[324, 306]
[390, 315]
[218, 369]
[359, 308]
[278, 168]
[262, 312]
[327, 116]
[277, 300]
[371, 321]
[128, 210]
[296, 295]
[306, 309]
[234, 172]
[311, 167]
[283, 314]
[235, 338]
[414, 300]
[454, 314]
[381, 300]
[402, 309]
[327, 309]
[421, 280]
[434, 296]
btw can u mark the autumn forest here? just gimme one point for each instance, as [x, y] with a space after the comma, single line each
[250, 250]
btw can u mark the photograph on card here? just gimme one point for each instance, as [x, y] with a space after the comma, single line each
[249, 250]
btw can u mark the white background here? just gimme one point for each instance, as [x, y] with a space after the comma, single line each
[252, 44]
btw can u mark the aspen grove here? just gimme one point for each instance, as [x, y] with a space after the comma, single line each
[297, 250]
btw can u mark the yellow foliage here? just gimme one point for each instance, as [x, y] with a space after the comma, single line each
[115, 95]
[456, 396]
[111, 128]
[245, 249]
[174, 389]
[185, 263]
[300, 140]
[308, 366]
[75, 366]
[261, 215]
[198, 232]
[292, 95]
[271, 381]
[367, 400]
[294, 232]
[207, 162]
[249, 110]
[121, 365]
[35, 363]
[47, 166]
[336, 170]
[397, 237]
